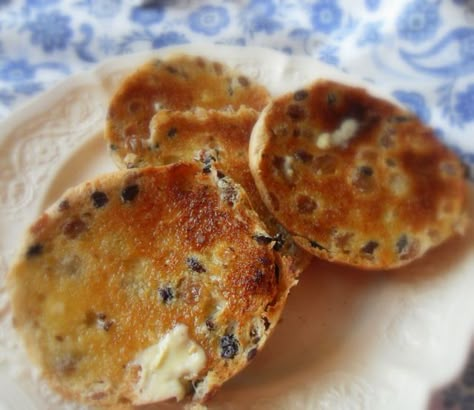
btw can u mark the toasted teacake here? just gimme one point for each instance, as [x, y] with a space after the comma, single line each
[355, 178]
[180, 82]
[143, 285]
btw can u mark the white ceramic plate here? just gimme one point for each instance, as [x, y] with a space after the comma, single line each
[348, 339]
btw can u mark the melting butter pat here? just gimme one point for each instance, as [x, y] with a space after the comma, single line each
[167, 366]
[341, 136]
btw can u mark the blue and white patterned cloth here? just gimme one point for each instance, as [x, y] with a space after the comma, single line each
[422, 50]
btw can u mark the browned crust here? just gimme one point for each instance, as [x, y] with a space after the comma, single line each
[91, 286]
[220, 138]
[377, 201]
[181, 82]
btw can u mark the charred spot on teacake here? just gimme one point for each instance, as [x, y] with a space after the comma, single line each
[365, 171]
[300, 95]
[317, 245]
[34, 250]
[172, 132]
[74, 227]
[331, 98]
[243, 81]
[467, 171]
[279, 242]
[277, 273]
[98, 319]
[67, 365]
[195, 265]
[363, 180]
[171, 69]
[253, 332]
[265, 260]
[166, 294]
[103, 322]
[303, 156]
[99, 199]
[401, 118]
[64, 205]
[229, 346]
[370, 247]
[210, 325]
[402, 243]
[305, 204]
[252, 353]
[229, 194]
[206, 157]
[296, 112]
[278, 162]
[129, 193]
[263, 239]
[258, 276]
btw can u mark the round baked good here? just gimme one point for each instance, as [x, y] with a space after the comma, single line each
[354, 178]
[219, 138]
[181, 82]
[147, 284]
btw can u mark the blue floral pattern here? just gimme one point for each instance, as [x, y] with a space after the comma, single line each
[415, 102]
[16, 71]
[169, 38]
[147, 15]
[326, 16]
[465, 104]
[259, 16]
[372, 4]
[102, 8]
[209, 20]
[467, 45]
[371, 34]
[260, 8]
[51, 31]
[419, 21]
[40, 3]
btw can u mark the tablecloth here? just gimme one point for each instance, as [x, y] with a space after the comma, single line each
[422, 51]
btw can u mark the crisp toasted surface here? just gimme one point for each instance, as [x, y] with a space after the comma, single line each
[118, 261]
[183, 135]
[209, 136]
[171, 111]
[354, 178]
[178, 83]
[220, 138]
